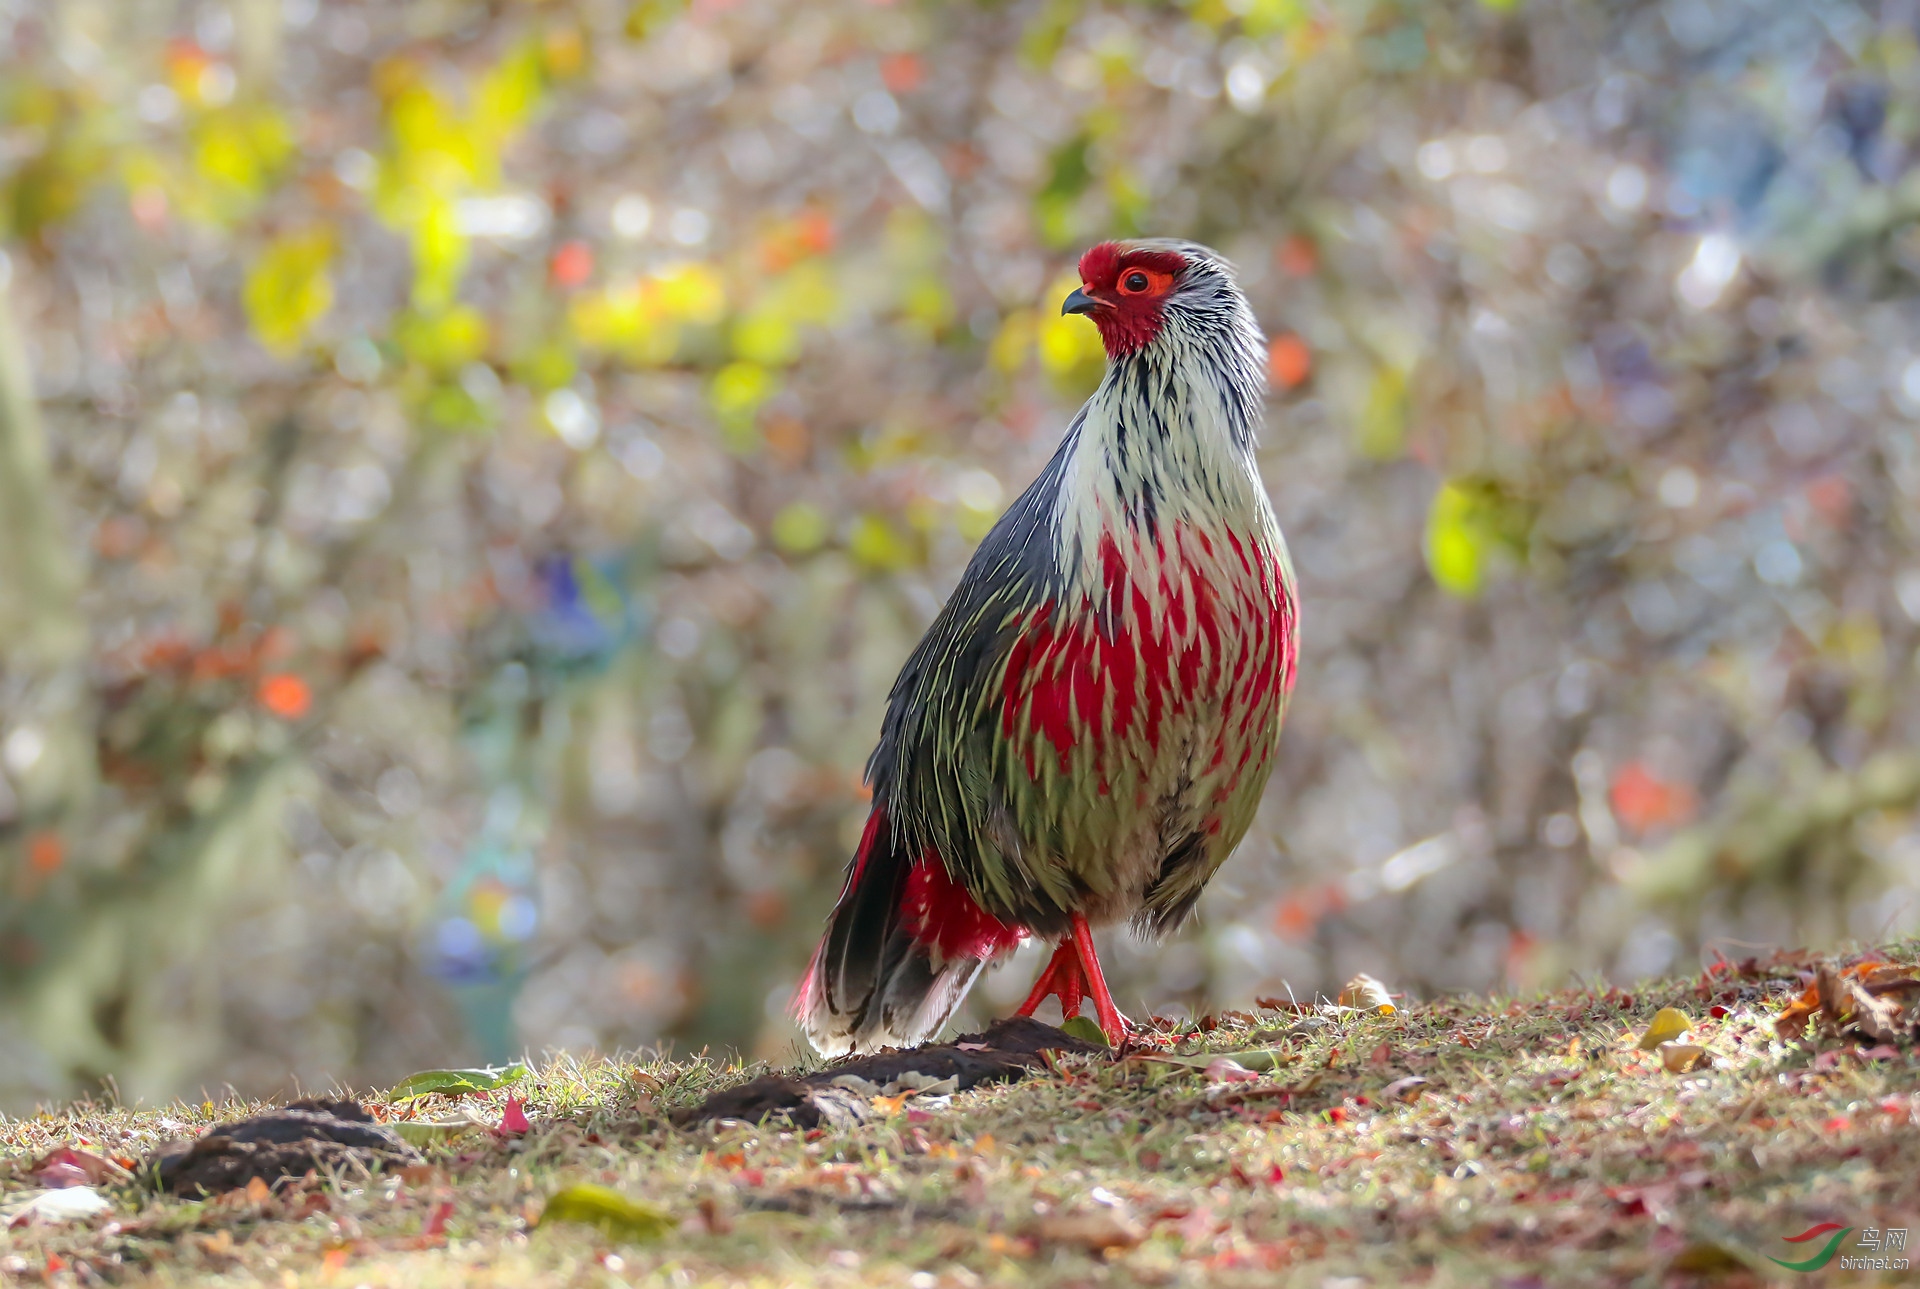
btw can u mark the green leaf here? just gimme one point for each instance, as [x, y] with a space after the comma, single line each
[456, 1081]
[433, 1132]
[613, 1213]
[1086, 1029]
[1262, 1059]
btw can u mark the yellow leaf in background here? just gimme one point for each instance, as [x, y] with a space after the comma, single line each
[288, 289]
[767, 336]
[1368, 994]
[546, 366]
[691, 292]
[1381, 431]
[1013, 343]
[563, 51]
[1067, 342]
[649, 16]
[626, 318]
[511, 91]
[439, 254]
[800, 528]
[1668, 1024]
[808, 293]
[444, 340]
[1455, 545]
[1264, 17]
[878, 544]
[927, 305]
[237, 154]
[737, 392]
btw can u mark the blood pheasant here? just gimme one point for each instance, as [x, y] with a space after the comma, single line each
[1083, 734]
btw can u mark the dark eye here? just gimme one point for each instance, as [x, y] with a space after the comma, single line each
[1136, 281]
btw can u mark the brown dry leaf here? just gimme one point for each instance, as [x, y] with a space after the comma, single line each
[1887, 978]
[1791, 1023]
[1094, 1232]
[1876, 1017]
[1860, 997]
[1407, 1089]
[1366, 993]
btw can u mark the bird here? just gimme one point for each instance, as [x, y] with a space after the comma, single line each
[1084, 732]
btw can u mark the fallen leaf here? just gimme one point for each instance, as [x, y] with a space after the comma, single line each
[1873, 1015]
[513, 1118]
[1704, 1257]
[1224, 1069]
[1086, 1029]
[1366, 994]
[425, 1132]
[68, 1204]
[1860, 998]
[1095, 1232]
[456, 1082]
[1667, 1024]
[1678, 1058]
[1407, 1089]
[1257, 1059]
[66, 1167]
[614, 1214]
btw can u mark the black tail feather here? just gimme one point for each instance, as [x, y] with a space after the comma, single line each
[871, 983]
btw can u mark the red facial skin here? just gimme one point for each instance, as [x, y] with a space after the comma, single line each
[1128, 319]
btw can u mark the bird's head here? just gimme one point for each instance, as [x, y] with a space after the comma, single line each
[1132, 289]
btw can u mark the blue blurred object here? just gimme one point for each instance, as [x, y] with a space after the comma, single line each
[567, 619]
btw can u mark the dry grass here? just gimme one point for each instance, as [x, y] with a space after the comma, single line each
[1542, 1149]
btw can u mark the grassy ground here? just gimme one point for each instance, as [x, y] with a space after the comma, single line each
[1543, 1149]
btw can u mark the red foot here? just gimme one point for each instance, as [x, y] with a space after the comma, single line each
[1073, 973]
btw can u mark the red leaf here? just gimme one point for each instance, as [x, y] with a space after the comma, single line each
[513, 1119]
[69, 1167]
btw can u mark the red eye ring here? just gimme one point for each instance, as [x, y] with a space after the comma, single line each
[1143, 281]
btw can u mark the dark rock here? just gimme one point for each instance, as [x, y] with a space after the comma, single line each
[1006, 1051]
[311, 1135]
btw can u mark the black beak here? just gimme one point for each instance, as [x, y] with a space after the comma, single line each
[1078, 302]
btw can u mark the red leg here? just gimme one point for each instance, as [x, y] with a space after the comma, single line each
[1062, 963]
[1115, 1026]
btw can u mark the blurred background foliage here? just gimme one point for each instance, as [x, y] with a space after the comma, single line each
[469, 473]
